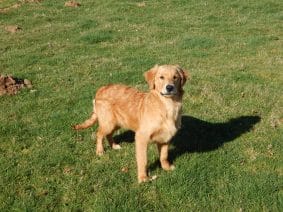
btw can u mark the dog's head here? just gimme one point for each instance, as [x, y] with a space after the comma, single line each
[168, 80]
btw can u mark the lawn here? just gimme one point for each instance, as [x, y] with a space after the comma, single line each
[229, 152]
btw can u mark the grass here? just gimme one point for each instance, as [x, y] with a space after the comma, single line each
[228, 153]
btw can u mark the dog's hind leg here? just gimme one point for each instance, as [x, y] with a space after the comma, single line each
[99, 142]
[111, 141]
[107, 125]
[105, 130]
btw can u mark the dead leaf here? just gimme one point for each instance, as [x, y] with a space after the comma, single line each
[141, 4]
[72, 4]
[12, 28]
[252, 154]
[27, 83]
[67, 170]
[274, 123]
[43, 193]
[269, 150]
[125, 169]
[255, 112]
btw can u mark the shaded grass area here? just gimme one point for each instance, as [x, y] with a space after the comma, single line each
[228, 153]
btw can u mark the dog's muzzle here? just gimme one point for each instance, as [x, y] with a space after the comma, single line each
[169, 90]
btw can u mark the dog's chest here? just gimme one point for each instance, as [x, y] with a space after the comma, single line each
[169, 124]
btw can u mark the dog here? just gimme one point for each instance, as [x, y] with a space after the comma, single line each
[154, 116]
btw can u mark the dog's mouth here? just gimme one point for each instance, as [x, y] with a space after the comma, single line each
[168, 94]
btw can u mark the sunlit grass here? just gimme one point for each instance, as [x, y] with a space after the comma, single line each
[228, 153]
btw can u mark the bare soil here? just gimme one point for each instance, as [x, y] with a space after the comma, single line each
[10, 85]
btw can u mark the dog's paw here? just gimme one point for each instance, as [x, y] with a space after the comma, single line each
[99, 153]
[116, 146]
[154, 177]
[145, 179]
[167, 166]
[172, 168]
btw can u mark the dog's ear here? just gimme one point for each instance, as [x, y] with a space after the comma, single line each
[184, 75]
[150, 75]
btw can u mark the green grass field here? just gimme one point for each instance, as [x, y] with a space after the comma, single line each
[229, 152]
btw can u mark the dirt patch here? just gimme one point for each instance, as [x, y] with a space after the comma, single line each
[10, 85]
[72, 4]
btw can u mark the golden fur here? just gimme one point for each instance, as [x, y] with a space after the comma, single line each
[154, 116]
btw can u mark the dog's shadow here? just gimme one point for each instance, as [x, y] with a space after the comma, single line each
[201, 136]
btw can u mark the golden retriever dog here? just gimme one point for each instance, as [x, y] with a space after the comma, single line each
[154, 116]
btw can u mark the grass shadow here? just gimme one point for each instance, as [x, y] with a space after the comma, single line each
[201, 136]
[127, 136]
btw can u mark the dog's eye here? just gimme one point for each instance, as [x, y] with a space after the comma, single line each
[161, 77]
[175, 77]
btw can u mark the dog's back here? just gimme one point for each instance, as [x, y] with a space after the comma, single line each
[122, 103]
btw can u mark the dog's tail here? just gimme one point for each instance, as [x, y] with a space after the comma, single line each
[89, 122]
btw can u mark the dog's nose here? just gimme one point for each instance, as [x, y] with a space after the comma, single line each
[169, 88]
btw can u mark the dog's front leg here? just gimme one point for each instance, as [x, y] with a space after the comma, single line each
[163, 154]
[141, 156]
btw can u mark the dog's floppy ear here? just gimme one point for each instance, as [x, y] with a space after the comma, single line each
[184, 75]
[150, 75]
